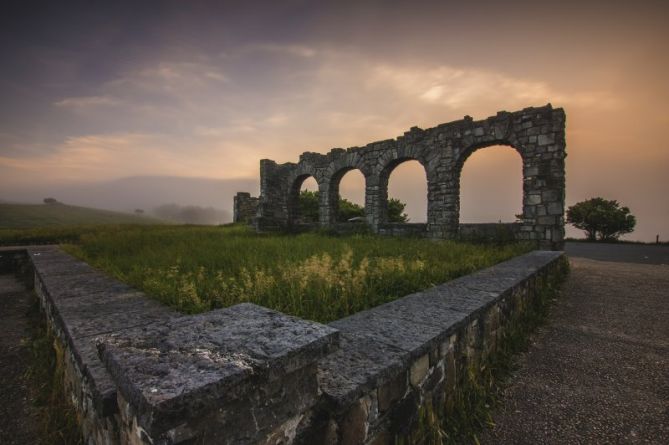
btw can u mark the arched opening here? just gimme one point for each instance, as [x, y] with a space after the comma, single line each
[407, 193]
[303, 204]
[491, 193]
[351, 198]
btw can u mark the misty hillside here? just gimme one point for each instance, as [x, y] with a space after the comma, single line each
[16, 216]
[142, 192]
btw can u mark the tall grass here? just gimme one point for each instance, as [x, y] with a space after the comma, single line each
[313, 276]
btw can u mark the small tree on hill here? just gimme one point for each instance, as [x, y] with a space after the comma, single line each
[601, 219]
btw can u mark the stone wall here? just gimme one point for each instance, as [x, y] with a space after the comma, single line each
[538, 134]
[139, 373]
[244, 207]
[397, 360]
[489, 231]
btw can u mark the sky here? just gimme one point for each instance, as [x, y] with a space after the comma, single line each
[95, 92]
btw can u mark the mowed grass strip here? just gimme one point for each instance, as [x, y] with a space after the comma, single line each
[312, 276]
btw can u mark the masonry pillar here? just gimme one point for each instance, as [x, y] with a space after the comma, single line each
[272, 204]
[375, 199]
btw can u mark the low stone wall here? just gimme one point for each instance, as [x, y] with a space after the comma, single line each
[403, 229]
[489, 231]
[412, 354]
[139, 372]
[79, 304]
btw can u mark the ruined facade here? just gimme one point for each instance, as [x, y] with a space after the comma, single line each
[538, 134]
[245, 207]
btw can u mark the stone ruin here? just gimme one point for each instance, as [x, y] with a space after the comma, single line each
[244, 208]
[137, 372]
[537, 133]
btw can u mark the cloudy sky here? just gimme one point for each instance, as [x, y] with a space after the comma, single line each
[96, 91]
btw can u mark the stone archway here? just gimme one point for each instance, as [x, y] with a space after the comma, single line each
[537, 133]
[295, 216]
[334, 183]
[490, 228]
[384, 225]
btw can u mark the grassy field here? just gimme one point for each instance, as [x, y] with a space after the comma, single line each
[312, 276]
[17, 216]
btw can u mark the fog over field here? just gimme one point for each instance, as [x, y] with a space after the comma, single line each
[141, 192]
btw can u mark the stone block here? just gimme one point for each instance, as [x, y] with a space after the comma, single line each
[556, 208]
[355, 425]
[546, 220]
[392, 391]
[419, 369]
[533, 199]
[545, 139]
[174, 371]
[358, 366]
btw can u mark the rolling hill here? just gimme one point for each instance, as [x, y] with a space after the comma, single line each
[19, 216]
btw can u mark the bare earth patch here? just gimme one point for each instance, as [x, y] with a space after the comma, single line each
[18, 414]
[597, 372]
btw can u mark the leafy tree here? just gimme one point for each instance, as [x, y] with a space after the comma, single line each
[601, 219]
[348, 210]
[309, 202]
[309, 206]
[396, 211]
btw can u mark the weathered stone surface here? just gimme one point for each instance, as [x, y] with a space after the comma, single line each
[410, 335]
[182, 365]
[78, 285]
[391, 391]
[104, 312]
[246, 374]
[419, 369]
[101, 385]
[538, 134]
[354, 426]
[359, 365]
[245, 207]
[82, 303]
[426, 339]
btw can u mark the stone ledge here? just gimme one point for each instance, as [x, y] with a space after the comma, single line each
[246, 374]
[381, 342]
[175, 371]
[81, 303]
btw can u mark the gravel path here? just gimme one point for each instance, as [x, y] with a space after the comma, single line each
[18, 416]
[598, 371]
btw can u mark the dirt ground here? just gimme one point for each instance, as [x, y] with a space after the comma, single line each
[598, 371]
[18, 415]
